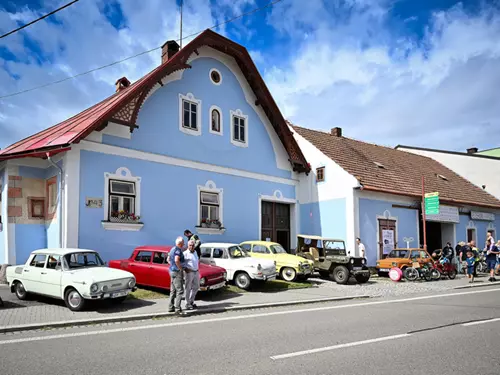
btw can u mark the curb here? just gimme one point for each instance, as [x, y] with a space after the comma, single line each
[479, 285]
[127, 318]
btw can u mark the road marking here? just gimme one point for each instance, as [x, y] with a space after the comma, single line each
[340, 346]
[481, 322]
[240, 317]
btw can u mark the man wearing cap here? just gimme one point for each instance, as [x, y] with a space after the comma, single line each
[197, 243]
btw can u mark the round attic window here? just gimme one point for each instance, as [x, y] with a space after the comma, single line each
[215, 76]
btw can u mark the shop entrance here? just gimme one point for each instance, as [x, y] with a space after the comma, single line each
[438, 234]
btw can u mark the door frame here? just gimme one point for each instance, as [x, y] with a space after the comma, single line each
[386, 216]
[294, 216]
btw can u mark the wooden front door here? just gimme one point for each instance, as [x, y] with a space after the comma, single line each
[387, 237]
[276, 223]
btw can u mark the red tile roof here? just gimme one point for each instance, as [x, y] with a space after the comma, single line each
[124, 105]
[392, 171]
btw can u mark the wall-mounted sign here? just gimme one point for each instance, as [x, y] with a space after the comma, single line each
[447, 214]
[431, 201]
[93, 202]
[387, 240]
[487, 216]
[408, 240]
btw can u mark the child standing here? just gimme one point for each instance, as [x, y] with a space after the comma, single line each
[471, 261]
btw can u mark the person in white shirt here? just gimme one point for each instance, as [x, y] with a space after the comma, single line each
[361, 247]
[192, 276]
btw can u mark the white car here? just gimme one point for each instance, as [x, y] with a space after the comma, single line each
[241, 268]
[73, 275]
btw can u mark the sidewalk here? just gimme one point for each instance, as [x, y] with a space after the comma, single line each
[41, 312]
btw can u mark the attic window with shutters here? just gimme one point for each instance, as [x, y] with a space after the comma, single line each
[320, 174]
[380, 165]
[442, 177]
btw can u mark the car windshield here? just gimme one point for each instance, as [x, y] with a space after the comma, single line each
[333, 245]
[277, 249]
[237, 252]
[398, 254]
[80, 260]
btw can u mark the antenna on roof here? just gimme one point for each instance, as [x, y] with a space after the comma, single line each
[180, 39]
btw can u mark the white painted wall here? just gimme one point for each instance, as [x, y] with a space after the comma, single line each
[479, 171]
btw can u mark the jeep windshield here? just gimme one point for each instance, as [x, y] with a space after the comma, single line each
[334, 247]
[277, 249]
[398, 254]
[81, 260]
[237, 252]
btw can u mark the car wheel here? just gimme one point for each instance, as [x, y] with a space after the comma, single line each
[341, 275]
[20, 291]
[74, 300]
[452, 274]
[288, 274]
[242, 281]
[362, 279]
[324, 274]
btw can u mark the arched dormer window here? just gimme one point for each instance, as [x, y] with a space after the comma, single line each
[215, 120]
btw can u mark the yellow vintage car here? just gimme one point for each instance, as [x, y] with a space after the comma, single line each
[289, 267]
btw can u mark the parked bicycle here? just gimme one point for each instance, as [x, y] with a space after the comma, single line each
[423, 271]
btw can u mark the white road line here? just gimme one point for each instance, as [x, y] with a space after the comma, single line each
[180, 322]
[340, 346]
[480, 322]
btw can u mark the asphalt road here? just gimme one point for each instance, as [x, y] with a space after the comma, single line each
[452, 333]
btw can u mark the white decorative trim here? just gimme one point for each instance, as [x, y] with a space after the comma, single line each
[172, 77]
[210, 187]
[71, 199]
[95, 136]
[163, 159]
[117, 130]
[210, 76]
[350, 215]
[386, 216]
[9, 229]
[122, 174]
[238, 113]
[129, 227]
[221, 132]
[210, 231]
[190, 98]
[294, 213]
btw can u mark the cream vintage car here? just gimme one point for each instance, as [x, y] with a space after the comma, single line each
[73, 275]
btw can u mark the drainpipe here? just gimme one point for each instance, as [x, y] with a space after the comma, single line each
[60, 196]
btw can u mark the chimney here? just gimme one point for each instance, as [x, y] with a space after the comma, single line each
[122, 83]
[169, 49]
[336, 132]
[472, 150]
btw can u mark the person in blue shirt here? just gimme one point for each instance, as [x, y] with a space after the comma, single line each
[176, 261]
[471, 262]
[491, 260]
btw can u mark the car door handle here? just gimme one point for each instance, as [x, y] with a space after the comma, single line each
[44, 273]
[132, 264]
[26, 270]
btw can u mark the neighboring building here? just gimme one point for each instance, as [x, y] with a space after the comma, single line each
[490, 152]
[198, 138]
[482, 170]
[374, 192]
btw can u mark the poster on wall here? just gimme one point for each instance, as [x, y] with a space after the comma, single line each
[387, 240]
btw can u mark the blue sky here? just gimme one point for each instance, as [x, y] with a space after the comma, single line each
[423, 73]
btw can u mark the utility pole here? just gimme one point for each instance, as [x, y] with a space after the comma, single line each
[423, 213]
[180, 41]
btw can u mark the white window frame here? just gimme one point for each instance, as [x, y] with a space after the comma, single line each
[210, 187]
[239, 113]
[121, 174]
[189, 97]
[210, 76]
[221, 132]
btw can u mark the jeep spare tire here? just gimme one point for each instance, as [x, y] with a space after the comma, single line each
[340, 275]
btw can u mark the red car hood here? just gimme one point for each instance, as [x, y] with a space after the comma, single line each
[207, 270]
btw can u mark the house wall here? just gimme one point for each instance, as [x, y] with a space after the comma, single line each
[168, 203]
[325, 218]
[481, 227]
[3, 214]
[373, 206]
[478, 170]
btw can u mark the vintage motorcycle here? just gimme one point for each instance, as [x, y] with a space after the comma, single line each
[423, 271]
[445, 268]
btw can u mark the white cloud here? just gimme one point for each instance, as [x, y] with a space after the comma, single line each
[445, 93]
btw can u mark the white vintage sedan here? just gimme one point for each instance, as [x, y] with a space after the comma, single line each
[73, 275]
[241, 268]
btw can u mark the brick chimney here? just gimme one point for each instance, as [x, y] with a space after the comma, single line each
[169, 49]
[336, 132]
[122, 84]
[472, 150]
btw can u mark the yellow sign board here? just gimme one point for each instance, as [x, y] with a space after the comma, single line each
[431, 195]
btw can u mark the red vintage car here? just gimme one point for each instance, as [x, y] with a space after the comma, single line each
[149, 264]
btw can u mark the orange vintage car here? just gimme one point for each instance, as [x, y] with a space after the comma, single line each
[401, 258]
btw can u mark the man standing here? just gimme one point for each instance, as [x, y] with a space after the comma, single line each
[491, 260]
[192, 275]
[176, 260]
[448, 252]
[361, 248]
[197, 243]
[475, 252]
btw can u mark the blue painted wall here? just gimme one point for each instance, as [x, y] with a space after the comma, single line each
[326, 218]
[29, 237]
[3, 208]
[159, 124]
[168, 204]
[407, 225]
[481, 229]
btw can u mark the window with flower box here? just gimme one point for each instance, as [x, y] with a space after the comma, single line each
[121, 199]
[210, 212]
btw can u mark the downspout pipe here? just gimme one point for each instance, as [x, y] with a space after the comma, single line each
[60, 197]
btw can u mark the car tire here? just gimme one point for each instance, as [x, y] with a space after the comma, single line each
[21, 293]
[362, 279]
[288, 274]
[341, 275]
[452, 274]
[242, 280]
[74, 300]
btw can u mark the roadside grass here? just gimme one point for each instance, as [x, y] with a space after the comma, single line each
[147, 294]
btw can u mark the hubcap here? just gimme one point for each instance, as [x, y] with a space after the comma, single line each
[74, 299]
[242, 280]
[20, 289]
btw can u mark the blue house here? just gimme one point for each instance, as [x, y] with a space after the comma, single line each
[198, 143]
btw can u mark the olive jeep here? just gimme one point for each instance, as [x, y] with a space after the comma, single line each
[331, 259]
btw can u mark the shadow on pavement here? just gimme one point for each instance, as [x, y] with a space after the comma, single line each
[112, 307]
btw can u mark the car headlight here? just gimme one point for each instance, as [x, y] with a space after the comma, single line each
[131, 283]
[363, 261]
[224, 275]
[259, 267]
[394, 264]
[104, 288]
[203, 281]
[94, 288]
[352, 261]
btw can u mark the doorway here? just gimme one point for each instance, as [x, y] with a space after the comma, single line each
[276, 223]
[387, 237]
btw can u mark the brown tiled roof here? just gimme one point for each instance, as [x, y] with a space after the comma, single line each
[401, 173]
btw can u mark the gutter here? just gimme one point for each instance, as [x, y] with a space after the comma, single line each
[60, 196]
